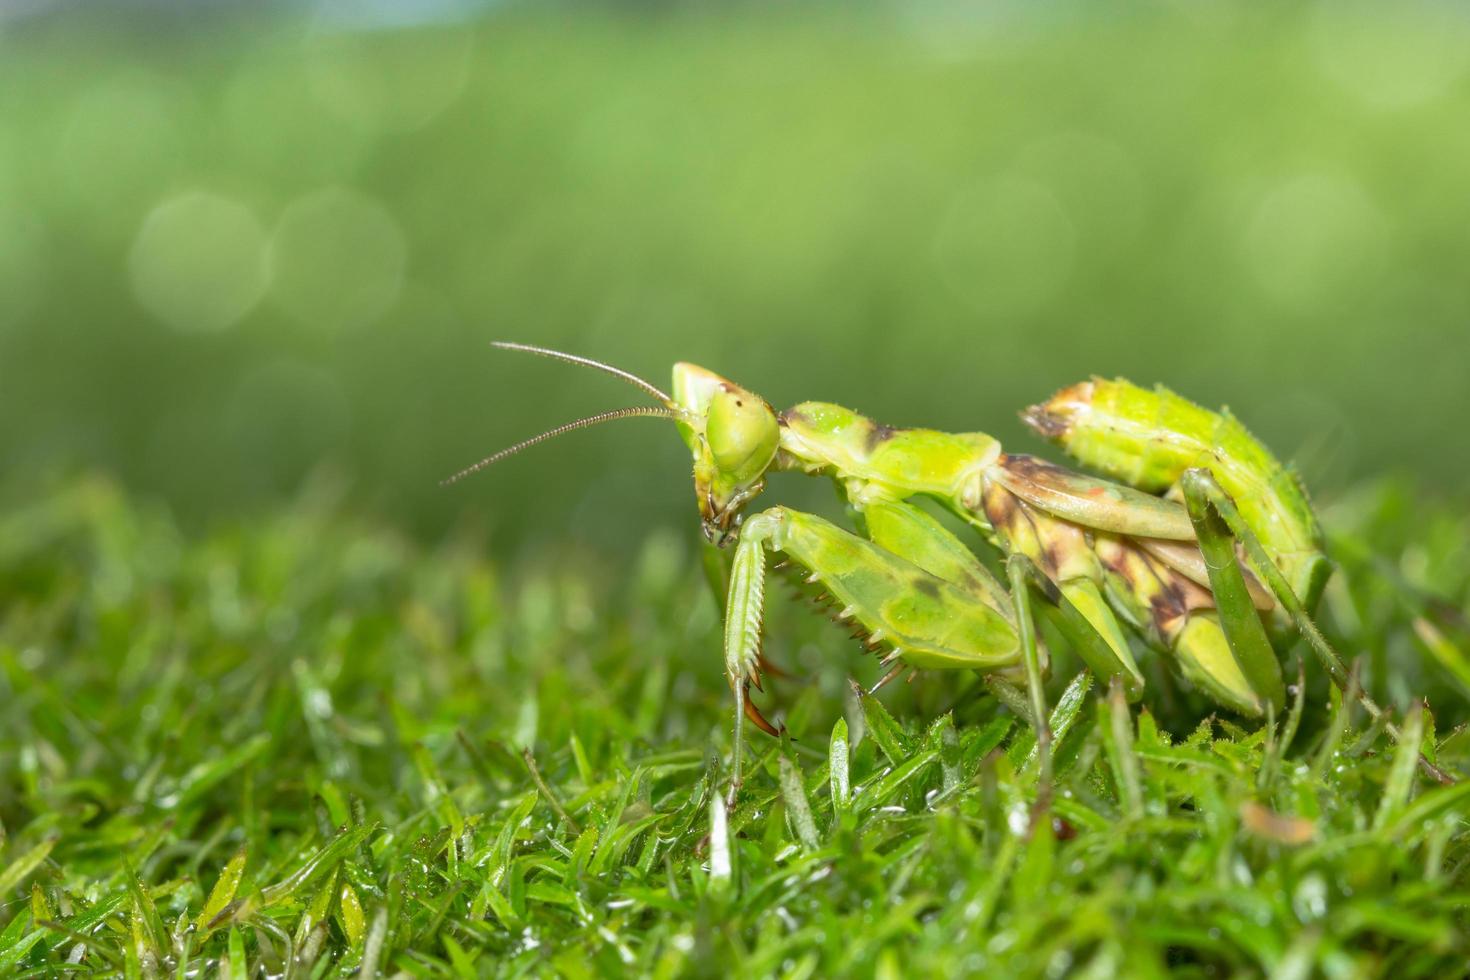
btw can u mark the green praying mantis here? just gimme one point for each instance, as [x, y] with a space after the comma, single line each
[1195, 538]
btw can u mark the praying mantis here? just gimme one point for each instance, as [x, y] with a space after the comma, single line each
[1195, 538]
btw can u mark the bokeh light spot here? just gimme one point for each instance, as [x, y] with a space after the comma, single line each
[1314, 240]
[337, 259]
[198, 262]
[1387, 61]
[1006, 247]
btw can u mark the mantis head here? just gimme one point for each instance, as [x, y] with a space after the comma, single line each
[733, 435]
[732, 432]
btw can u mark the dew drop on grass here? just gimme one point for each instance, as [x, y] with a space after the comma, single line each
[1059, 964]
[1310, 899]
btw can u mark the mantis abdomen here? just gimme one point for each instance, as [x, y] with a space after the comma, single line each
[1148, 438]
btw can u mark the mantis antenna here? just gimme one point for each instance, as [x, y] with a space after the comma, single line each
[619, 413]
[668, 411]
[557, 355]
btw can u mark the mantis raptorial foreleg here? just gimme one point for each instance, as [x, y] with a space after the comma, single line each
[928, 620]
[916, 535]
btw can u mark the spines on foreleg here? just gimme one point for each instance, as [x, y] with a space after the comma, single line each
[744, 619]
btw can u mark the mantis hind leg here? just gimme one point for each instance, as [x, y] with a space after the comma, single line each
[921, 618]
[1239, 620]
[1220, 523]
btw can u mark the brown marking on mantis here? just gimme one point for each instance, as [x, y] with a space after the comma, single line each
[1090, 501]
[1053, 418]
[1109, 549]
[1196, 596]
[1185, 558]
[1177, 598]
[1169, 599]
[999, 505]
[1045, 559]
[1031, 467]
[1051, 557]
[791, 415]
[878, 434]
[1008, 512]
[1044, 423]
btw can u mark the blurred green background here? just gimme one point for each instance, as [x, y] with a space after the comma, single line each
[242, 247]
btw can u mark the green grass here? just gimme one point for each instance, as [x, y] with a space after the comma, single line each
[305, 736]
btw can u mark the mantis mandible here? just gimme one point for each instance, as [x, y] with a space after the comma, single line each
[1201, 542]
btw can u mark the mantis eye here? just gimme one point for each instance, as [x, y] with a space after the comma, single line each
[742, 434]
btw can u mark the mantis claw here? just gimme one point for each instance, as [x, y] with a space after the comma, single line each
[759, 720]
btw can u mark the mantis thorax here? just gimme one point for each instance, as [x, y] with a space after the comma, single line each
[882, 461]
